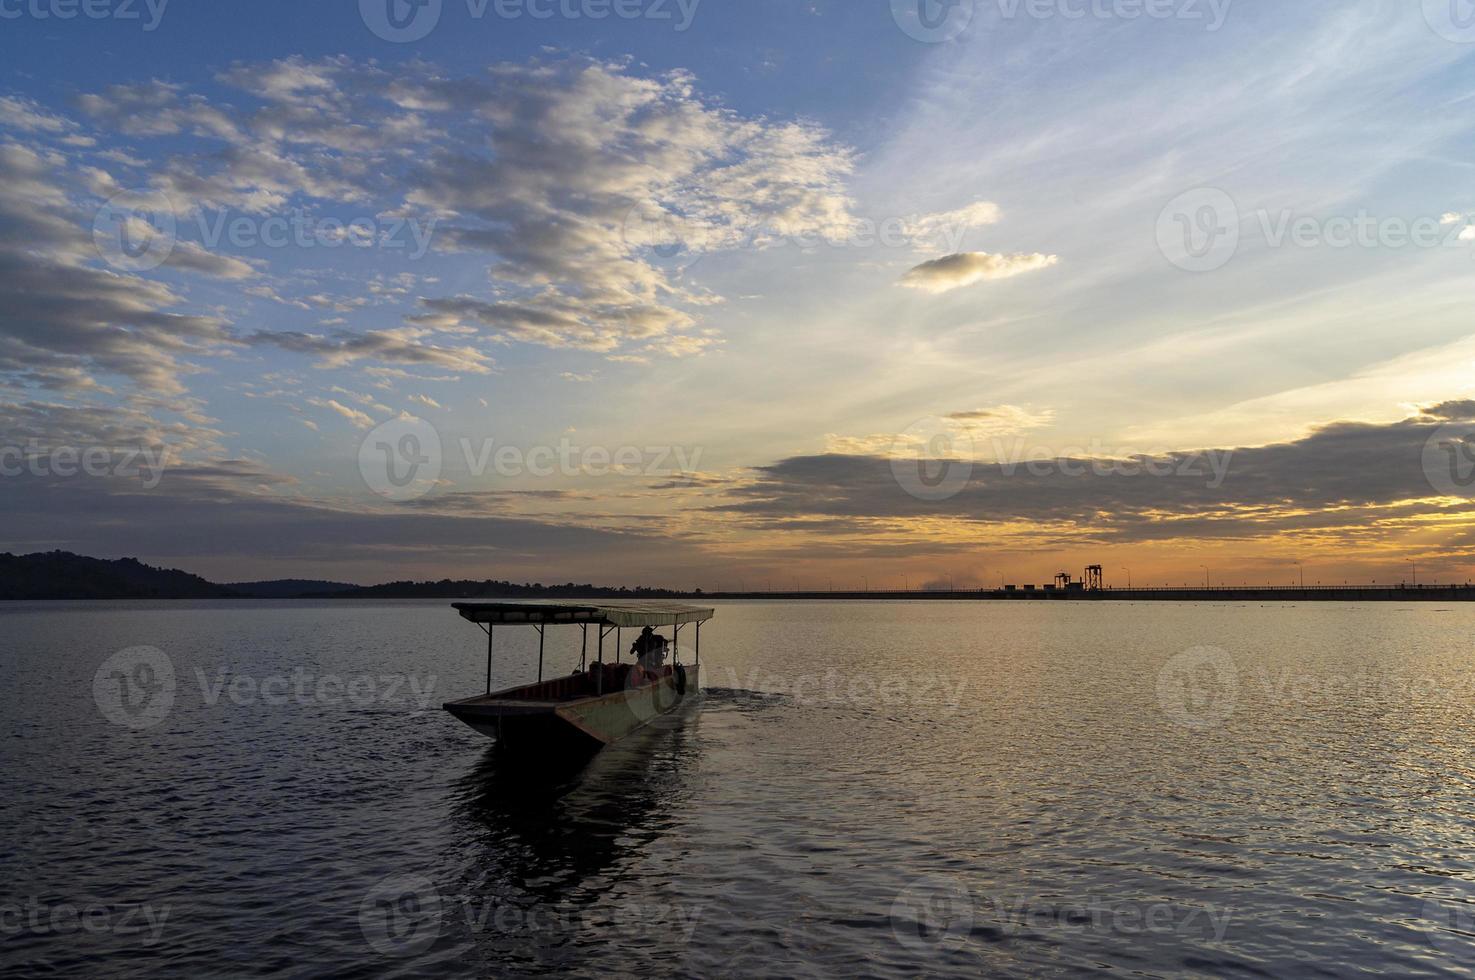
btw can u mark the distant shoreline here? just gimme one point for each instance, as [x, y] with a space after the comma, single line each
[1329, 593]
[1422, 593]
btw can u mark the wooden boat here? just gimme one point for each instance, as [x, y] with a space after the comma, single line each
[600, 702]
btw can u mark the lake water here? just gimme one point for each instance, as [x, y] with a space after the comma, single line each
[867, 789]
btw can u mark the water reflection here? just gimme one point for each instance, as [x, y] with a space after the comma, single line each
[550, 850]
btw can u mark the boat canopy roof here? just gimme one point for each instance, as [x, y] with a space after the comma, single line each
[618, 612]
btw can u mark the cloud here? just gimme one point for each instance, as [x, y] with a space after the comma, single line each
[594, 171]
[192, 257]
[1462, 410]
[539, 166]
[220, 517]
[966, 268]
[401, 345]
[947, 229]
[1000, 419]
[1347, 482]
[26, 116]
[360, 419]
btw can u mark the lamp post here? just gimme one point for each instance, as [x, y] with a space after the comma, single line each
[1302, 569]
[1129, 575]
[1416, 571]
[1206, 575]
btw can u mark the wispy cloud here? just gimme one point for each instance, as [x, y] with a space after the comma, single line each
[967, 268]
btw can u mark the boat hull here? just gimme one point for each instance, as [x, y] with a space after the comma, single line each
[524, 724]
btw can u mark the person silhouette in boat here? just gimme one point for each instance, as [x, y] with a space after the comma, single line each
[649, 649]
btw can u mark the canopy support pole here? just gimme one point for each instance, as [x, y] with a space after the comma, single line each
[619, 643]
[584, 647]
[540, 654]
[699, 644]
[489, 659]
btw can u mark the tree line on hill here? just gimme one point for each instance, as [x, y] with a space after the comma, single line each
[63, 575]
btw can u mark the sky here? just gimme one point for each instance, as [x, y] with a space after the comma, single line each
[761, 294]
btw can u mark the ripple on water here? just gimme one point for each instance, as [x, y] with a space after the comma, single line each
[952, 788]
